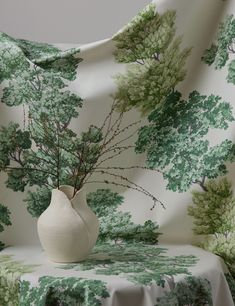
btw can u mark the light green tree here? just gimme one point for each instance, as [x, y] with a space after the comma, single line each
[10, 273]
[214, 218]
[117, 225]
[223, 49]
[156, 61]
[176, 144]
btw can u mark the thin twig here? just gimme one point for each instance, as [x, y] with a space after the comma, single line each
[129, 187]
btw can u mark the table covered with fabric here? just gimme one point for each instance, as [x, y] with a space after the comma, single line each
[133, 274]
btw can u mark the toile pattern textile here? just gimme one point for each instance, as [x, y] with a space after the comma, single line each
[145, 122]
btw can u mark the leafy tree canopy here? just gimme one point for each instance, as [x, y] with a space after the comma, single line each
[51, 58]
[214, 218]
[221, 50]
[53, 164]
[218, 53]
[12, 59]
[147, 34]
[63, 291]
[37, 201]
[116, 224]
[4, 220]
[214, 210]
[175, 142]
[11, 271]
[190, 291]
[156, 61]
[45, 152]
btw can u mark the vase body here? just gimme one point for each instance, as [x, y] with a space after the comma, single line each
[68, 229]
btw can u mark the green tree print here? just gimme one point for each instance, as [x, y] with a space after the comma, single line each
[214, 218]
[117, 225]
[44, 150]
[46, 99]
[51, 58]
[231, 283]
[138, 262]
[175, 139]
[10, 273]
[155, 60]
[4, 220]
[190, 291]
[221, 51]
[69, 291]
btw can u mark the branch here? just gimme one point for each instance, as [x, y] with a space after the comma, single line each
[140, 63]
[201, 183]
[129, 187]
[109, 119]
[129, 168]
[230, 48]
[119, 142]
[110, 157]
[123, 130]
[116, 148]
[156, 56]
[29, 169]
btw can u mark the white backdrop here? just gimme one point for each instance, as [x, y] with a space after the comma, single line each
[67, 21]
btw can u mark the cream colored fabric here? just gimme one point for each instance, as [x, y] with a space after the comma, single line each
[194, 58]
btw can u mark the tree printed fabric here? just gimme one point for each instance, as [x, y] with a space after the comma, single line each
[145, 122]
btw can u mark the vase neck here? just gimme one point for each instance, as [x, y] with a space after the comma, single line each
[59, 199]
[79, 196]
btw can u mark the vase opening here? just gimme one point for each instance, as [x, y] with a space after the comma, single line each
[69, 191]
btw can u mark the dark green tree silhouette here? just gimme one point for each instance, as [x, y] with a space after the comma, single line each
[231, 284]
[117, 225]
[190, 291]
[4, 220]
[223, 49]
[155, 60]
[214, 214]
[175, 139]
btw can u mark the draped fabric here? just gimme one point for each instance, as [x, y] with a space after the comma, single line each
[144, 121]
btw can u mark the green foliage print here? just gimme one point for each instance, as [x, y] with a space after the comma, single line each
[213, 211]
[51, 58]
[231, 284]
[222, 49]
[4, 220]
[156, 62]
[190, 291]
[45, 152]
[117, 225]
[69, 291]
[138, 262]
[175, 139]
[10, 273]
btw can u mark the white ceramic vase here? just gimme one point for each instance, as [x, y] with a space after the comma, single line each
[68, 229]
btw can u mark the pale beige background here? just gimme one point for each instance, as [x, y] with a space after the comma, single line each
[67, 21]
